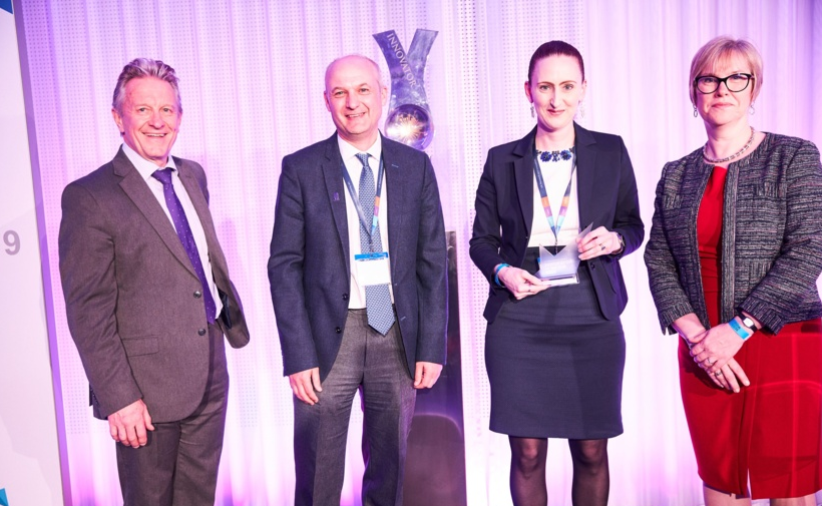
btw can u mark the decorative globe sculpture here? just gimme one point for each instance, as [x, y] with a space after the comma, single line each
[411, 125]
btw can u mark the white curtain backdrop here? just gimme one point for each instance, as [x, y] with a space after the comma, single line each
[251, 82]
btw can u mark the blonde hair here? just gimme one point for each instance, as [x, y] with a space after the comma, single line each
[144, 67]
[720, 49]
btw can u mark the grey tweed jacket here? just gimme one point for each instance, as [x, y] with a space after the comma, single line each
[771, 236]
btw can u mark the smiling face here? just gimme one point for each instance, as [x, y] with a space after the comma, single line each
[149, 118]
[355, 97]
[723, 106]
[556, 88]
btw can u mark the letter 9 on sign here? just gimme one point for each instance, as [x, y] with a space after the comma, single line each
[12, 241]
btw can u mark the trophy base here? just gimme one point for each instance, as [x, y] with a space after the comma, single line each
[558, 281]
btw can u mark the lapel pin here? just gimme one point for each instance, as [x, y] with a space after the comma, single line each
[336, 197]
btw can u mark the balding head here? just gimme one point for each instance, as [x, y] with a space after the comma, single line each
[355, 96]
[349, 59]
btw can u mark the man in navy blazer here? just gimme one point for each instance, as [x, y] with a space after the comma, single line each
[359, 289]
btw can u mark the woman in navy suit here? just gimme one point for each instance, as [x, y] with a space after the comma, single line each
[555, 355]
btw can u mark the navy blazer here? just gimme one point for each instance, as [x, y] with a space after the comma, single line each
[309, 268]
[607, 196]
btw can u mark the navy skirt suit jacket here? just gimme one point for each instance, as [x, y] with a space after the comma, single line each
[607, 196]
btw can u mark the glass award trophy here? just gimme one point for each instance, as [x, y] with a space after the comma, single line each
[561, 269]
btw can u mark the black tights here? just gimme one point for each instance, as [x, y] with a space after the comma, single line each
[591, 478]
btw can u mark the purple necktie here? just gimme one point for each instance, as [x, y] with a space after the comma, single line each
[178, 216]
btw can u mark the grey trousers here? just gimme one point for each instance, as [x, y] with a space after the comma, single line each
[179, 464]
[375, 365]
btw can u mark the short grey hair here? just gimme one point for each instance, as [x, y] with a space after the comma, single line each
[145, 67]
[355, 55]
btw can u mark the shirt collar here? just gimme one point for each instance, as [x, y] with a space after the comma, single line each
[348, 151]
[145, 167]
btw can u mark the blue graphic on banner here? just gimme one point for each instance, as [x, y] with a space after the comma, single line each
[6, 6]
[4, 501]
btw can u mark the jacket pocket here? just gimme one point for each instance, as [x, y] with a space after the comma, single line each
[142, 345]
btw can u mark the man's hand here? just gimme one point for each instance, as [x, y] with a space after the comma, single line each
[426, 374]
[129, 425]
[304, 384]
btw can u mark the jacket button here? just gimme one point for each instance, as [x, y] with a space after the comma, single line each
[201, 332]
[338, 330]
[345, 296]
[198, 294]
[593, 267]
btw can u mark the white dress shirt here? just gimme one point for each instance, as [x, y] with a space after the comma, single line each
[556, 175]
[146, 168]
[349, 153]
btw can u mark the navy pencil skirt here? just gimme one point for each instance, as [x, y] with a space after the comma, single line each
[555, 364]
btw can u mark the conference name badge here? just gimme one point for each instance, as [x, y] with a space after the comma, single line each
[372, 269]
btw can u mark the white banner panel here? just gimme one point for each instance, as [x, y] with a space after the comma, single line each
[29, 449]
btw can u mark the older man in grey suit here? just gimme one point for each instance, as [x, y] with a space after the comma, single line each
[358, 280]
[149, 298]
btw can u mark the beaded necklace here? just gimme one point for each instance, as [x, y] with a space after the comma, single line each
[727, 158]
[555, 156]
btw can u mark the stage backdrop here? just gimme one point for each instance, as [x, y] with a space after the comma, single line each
[252, 80]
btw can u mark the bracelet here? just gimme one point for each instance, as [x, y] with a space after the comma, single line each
[496, 272]
[740, 331]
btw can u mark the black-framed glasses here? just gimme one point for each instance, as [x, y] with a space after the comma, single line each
[734, 82]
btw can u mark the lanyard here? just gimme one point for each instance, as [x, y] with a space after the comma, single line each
[375, 220]
[547, 205]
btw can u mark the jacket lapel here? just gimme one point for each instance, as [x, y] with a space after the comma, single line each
[198, 200]
[395, 184]
[524, 177]
[335, 189]
[585, 147]
[138, 191]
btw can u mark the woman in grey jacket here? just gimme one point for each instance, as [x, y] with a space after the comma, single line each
[733, 258]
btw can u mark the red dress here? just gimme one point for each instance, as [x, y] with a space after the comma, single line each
[773, 428]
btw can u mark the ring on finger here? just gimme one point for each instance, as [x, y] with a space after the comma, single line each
[718, 373]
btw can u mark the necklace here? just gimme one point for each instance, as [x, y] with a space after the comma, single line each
[727, 158]
[555, 156]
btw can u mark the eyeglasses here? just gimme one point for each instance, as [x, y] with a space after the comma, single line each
[734, 82]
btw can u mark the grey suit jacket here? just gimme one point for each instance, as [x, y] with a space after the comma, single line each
[132, 297]
[309, 266]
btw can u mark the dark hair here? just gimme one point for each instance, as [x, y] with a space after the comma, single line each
[555, 47]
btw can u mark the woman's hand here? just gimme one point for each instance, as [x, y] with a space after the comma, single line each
[690, 329]
[598, 242]
[726, 376]
[714, 354]
[521, 282]
[730, 376]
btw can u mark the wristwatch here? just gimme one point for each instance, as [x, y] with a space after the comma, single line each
[621, 244]
[747, 321]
